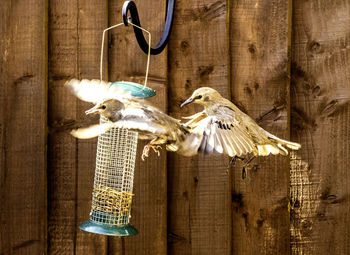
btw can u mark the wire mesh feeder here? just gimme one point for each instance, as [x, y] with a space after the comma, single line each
[115, 162]
[114, 176]
[113, 183]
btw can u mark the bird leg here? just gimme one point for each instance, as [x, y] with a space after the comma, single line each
[233, 161]
[147, 148]
[249, 160]
[244, 175]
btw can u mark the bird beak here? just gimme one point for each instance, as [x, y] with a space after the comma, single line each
[190, 100]
[94, 109]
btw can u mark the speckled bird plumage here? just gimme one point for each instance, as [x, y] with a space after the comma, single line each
[126, 111]
[222, 128]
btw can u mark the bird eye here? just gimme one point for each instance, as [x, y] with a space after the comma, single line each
[103, 107]
[199, 97]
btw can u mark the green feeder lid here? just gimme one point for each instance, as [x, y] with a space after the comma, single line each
[106, 229]
[136, 89]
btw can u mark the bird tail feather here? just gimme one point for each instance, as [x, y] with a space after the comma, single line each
[188, 147]
[288, 144]
[277, 146]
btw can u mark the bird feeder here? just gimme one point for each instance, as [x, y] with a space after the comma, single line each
[114, 173]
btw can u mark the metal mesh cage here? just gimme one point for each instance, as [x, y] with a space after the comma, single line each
[113, 183]
[114, 175]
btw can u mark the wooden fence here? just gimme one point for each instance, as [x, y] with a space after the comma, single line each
[284, 62]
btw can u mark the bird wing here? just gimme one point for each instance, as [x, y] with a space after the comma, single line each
[223, 133]
[91, 131]
[194, 119]
[132, 121]
[96, 91]
[141, 119]
[234, 133]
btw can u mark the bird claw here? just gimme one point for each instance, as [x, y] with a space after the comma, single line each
[145, 152]
[156, 149]
[147, 148]
[244, 173]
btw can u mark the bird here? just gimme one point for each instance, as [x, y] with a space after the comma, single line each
[126, 111]
[223, 128]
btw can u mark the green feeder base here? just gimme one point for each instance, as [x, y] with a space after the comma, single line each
[105, 229]
[136, 89]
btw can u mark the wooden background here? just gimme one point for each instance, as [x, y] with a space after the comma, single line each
[284, 62]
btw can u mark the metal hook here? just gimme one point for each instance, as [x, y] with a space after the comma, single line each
[131, 6]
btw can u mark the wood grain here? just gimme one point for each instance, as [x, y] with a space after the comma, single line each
[320, 121]
[92, 20]
[23, 79]
[181, 205]
[61, 145]
[199, 208]
[259, 68]
[128, 62]
[75, 37]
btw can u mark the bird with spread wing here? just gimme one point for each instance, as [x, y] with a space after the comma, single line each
[126, 111]
[222, 128]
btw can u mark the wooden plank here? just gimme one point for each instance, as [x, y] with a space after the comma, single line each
[61, 145]
[128, 62]
[199, 207]
[149, 189]
[320, 122]
[92, 20]
[75, 37]
[23, 79]
[259, 77]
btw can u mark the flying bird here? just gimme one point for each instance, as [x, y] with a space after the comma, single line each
[126, 111]
[222, 128]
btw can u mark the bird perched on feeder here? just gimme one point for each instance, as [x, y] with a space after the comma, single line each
[222, 128]
[126, 111]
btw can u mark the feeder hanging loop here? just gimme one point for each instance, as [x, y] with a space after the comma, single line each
[131, 6]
